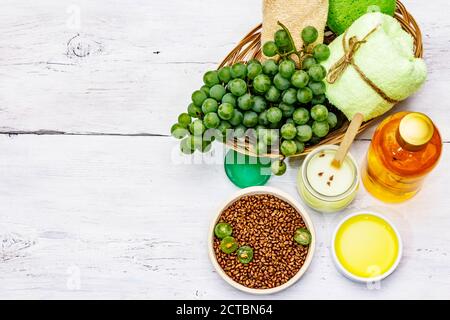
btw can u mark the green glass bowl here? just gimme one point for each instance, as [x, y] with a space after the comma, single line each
[246, 171]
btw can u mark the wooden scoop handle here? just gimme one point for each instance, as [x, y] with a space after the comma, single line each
[346, 143]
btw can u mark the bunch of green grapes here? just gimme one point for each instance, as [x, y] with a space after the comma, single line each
[281, 101]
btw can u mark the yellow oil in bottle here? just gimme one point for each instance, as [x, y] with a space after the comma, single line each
[404, 149]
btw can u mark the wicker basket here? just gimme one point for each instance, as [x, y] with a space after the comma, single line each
[250, 47]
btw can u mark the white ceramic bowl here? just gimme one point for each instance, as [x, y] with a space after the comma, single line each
[284, 196]
[353, 277]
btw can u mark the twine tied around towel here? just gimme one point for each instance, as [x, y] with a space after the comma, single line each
[341, 65]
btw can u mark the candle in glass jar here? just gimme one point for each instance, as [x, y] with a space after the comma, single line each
[324, 187]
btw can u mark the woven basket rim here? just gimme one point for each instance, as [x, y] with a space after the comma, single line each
[250, 47]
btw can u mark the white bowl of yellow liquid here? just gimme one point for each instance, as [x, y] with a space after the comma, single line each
[366, 247]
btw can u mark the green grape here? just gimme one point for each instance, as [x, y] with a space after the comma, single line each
[211, 134]
[211, 120]
[201, 145]
[309, 35]
[321, 52]
[281, 83]
[278, 168]
[290, 120]
[304, 95]
[276, 125]
[320, 128]
[261, 132]
[246, 102]
[300, 146]
[290, 96]
[210, 105]
[250, 119]
[301, 116]
[253, 61]
[194, 111]
[288, 148]
[262, 118]
[211, 78]
[238, 87]
[287, 109]
[239, 131]
[273, 94]
[259, 104]
[226, 111]
[274, 115]
[259, 129]
[223, 127]
[320, 99]
[308, 62]
[287, 69]
[198, 142]
[314, 140]
[261, 147]
[270, 136]
[223, 230]
[270, 49]
[317, 88]
[228, 245]
[224, 74]
[319, 113]
[184, 120]
[255, 132]
[205, 147]
[253, 70]
[217, 92]
[304, 133]
[187, 145]
[197, 128]
[245, 254]
[300, 79]
[282, 41]
[317, 72]
[198, 97]
[229, 98]
[178, 131]
[237, 118]
[270, 67]
[288, 131]
[332, 120]
[239, 71]
[205, 89]
[262, 83]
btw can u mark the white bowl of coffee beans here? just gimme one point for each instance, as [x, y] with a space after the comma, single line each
[262, 241]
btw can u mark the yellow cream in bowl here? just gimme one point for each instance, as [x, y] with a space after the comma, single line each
[366, 246]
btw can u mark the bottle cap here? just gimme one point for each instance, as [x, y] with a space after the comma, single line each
[416, 130]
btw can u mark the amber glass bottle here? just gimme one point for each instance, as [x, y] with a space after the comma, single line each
[404, 149]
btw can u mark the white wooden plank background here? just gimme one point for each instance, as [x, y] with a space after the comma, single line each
[95, 204]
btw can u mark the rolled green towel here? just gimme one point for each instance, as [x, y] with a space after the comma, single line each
[386, 58]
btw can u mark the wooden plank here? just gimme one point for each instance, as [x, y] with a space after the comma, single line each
[126, 71]
[122, 217]
[131, 71]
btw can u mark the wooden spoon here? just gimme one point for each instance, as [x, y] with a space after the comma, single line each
[346, 143]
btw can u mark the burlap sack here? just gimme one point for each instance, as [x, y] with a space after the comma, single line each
[296, 15]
